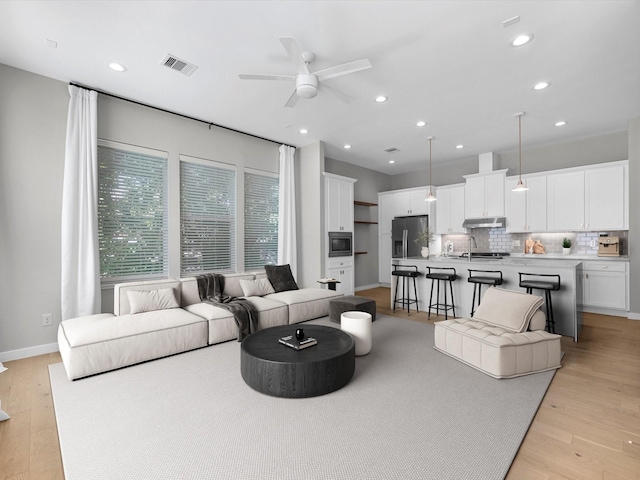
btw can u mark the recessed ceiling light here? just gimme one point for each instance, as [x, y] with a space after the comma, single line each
[347, 146]
[459, 146]
[117, 67]
[541, 85]
[421, 124]
[561, 123]
[392, 161]
[304, 130]
[521, 40]
[381, 99]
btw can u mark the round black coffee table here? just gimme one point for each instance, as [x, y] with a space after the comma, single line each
[275, 369]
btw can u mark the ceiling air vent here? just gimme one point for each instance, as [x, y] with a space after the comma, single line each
[391, 150]
[174, 63]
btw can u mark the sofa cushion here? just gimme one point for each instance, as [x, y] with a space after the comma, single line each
[256, 288]
[305, 303]
[271, 313]
[507, 309]
[538, 321]
[281, 277]
[149, 300]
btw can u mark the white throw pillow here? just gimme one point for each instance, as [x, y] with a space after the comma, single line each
[256, 288]
[507, 309]
[149, 300]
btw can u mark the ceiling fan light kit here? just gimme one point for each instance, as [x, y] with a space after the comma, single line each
[307, 82]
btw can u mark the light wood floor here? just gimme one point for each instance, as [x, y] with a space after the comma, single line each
[588, 426]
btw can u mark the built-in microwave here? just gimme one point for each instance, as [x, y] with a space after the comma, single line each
[340, 244]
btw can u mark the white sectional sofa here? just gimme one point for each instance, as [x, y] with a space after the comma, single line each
[504, 339]
[99, 343]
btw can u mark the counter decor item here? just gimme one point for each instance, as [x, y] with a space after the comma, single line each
[566, 246]
[425, 237]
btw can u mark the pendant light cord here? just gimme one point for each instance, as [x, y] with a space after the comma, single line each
[430, 192]
[520, 145]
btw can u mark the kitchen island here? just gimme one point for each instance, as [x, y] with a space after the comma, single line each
[568, 319]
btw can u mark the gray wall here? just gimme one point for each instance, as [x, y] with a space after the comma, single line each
[310, 214]
[610, 147]
[33, 120]
[33, 112]
[365, 236]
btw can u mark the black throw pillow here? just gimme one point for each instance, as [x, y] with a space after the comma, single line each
[280, 277]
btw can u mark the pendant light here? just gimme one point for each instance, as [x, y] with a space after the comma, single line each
[520, 187]
[431, 197]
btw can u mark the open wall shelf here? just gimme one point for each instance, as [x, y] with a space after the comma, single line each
[365, 204]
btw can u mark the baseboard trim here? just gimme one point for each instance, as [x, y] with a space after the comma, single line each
[28, 352]
[367, 287]
[604, 311]
[633, 316]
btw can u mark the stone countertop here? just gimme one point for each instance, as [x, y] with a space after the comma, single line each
[488, 262]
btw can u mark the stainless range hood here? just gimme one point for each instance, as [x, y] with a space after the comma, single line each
[486, 222]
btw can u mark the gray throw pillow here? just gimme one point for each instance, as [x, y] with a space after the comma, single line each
[281, 277]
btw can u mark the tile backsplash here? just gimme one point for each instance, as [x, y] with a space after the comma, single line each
[498, 240]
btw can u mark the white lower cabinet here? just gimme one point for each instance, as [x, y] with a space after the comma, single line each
[341, 269]
[604, 285]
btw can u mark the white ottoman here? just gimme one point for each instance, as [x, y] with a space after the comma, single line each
[358, 325]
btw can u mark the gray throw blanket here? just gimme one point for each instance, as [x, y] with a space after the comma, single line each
[210, 288]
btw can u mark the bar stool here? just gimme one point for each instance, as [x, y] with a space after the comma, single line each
[447, 275]
[493, 278]
[405, 272]
[537, 281]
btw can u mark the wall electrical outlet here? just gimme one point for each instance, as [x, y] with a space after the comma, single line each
[47, 319]
[593, 243]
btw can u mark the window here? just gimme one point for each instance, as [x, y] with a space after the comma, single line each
[261, 193]
[132, 212]
[207, 217]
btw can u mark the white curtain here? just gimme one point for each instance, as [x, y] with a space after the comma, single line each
[287, 240]
[80, 261]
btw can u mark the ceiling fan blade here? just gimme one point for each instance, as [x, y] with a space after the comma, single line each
[335, 92]
[247, 76]
[293, 99]
[295, 54]
[343, 69]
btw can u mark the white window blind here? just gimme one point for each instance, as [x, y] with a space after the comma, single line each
[132, 213]
[207, 217]
[261, 192]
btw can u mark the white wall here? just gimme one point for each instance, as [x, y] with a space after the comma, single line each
[33, 112]
[634, 217]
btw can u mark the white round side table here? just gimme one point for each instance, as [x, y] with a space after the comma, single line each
[358, 325]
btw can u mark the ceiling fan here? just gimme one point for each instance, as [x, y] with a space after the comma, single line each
[308, 83]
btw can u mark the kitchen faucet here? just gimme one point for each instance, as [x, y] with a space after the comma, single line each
[471, 237]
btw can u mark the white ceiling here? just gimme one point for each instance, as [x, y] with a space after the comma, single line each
[448, 63]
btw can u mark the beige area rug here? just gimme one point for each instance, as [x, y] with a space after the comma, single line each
[409, 412]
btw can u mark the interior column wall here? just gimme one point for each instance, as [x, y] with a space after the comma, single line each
[634, 217]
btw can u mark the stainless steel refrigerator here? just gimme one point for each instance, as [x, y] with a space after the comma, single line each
[404, 231]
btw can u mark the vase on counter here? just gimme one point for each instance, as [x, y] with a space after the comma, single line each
[425, 252]
[566, 251]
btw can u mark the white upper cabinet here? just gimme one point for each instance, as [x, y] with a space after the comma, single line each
[527, 211]
[450, 209]
[604, 190]
[385, 213]
[410, 203]
[565, 201]
[484, 194]
[589, 198]
[339, 201]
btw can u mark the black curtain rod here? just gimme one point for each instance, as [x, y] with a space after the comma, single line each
[175, 113]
